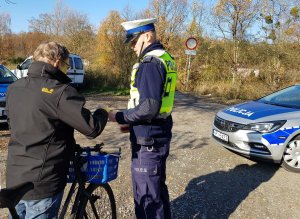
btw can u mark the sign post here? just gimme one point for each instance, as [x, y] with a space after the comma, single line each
[191, 44]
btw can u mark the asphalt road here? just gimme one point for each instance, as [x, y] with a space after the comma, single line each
[204, 179]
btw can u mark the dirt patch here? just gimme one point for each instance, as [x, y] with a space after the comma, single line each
[204, 179]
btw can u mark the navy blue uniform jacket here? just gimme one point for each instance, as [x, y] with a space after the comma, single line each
[145, 127]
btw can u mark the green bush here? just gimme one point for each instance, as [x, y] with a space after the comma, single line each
[98, 82]
[16, 60]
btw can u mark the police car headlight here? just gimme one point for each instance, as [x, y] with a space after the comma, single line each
[265, 127]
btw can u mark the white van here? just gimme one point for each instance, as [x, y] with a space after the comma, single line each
[75, 72]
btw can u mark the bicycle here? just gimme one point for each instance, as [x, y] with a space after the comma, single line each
[89, 173]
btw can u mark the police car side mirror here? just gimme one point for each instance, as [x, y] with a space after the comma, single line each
[19, 67]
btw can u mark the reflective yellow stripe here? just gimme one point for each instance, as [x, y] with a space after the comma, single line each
[134, 93]
[169, 86]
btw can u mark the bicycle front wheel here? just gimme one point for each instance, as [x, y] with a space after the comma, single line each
[99, 202]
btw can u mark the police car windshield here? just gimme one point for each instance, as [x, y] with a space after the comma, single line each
[6, 76]
[288, 97]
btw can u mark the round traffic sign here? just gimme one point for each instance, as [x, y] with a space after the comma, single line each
[191, 43]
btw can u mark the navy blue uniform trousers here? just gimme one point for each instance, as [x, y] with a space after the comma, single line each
[148, 167]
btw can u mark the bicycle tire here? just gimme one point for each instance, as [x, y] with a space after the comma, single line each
[99, 202]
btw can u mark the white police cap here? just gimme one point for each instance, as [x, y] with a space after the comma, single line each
[134, 28]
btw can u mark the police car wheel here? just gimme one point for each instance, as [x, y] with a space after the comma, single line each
[291, 156]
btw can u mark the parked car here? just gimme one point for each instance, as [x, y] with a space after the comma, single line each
[267, 128]
[75, 72]
[6, 78]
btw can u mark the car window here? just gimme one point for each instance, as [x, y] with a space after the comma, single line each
[289, 97]
[26, 64]
[71, 63]
[6, 76]
[78, 63]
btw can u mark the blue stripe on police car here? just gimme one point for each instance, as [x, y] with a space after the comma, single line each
[280, 136]
[3, 89]
[254, 110]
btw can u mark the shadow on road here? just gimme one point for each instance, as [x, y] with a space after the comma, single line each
[218, 194]
[184, 101]
[188, 140]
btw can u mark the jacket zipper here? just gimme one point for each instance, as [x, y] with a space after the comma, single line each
[44, 158]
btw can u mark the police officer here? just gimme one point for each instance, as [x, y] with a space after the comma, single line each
[152, 92]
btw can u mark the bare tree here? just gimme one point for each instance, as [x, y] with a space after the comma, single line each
[273, 14]
[171, 16]
[60, 22]
[233, 18]
[5, 22]
[194, 28]
[128, 13]
[43, 24]
[68, 26]
[293, 30]
[61, 12]
[78, 34]
[52, 24]
[280, 20]
[4, 35]
[8, 2]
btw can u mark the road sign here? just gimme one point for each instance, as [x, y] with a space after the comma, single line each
[190, 52]
[191, 43]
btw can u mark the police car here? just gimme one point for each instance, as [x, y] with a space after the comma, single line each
[267, 128]
[6, 78]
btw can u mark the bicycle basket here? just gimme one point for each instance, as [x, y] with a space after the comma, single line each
[98, 168]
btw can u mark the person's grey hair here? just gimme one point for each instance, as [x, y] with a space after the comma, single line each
[50, 52]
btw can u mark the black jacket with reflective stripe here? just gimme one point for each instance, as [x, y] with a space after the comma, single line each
[43, 111]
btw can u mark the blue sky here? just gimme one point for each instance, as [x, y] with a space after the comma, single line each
[96, 10]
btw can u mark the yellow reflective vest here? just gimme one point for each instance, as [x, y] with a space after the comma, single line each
[169, 86]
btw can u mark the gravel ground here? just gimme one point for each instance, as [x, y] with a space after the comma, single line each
[204, 179]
